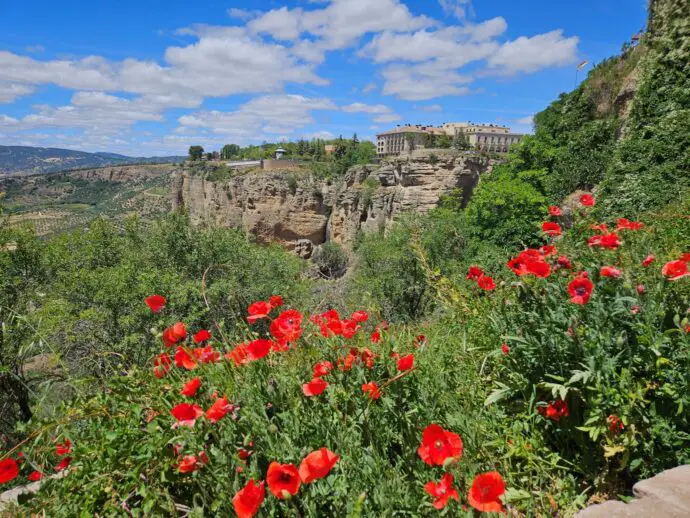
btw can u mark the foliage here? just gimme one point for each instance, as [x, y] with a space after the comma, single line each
[196, 152]
[331, 260]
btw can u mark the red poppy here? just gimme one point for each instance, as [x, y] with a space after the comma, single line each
[188, 464]
[258, 310]
[35, 476]
[283, 480]
[505, 349]
[372, 389]
[439, 447]
[626, 224]
[610, 241]
[203, 457]
[675, 270]
[685, 257]
[587, 200]
[564, 262]
[161, 365]
[548, 250]
[376, 336]
[9, 470]
[360, 316]
[486, 283]
[350, 328]
[610, 271]
[244, 454]
[367, 357]
[315, 387]
[345, 363]
[406, 362]
[486, 491]
[207, 354]
[322, 369]
[580, 290]
[648, 260]
[474, 273]
[64, 464]
[530, 262]
[202, 336]
[156, 303]
[555, 211]
[287, 326]
[640, 289]
[238, 355]
[317, 465]
[248, 500]
[191, 387]
[275, 301]
[63, 448]
[615, 424]
[259, 349]
[186, 414]
[174, 334]
[555, 410]
[219, 409]
[421, 341]
[550, 228]
[443, 491]
[184, 359]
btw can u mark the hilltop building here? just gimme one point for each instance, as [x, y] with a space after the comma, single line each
[480, 137]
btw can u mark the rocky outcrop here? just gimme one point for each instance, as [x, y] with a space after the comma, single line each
[297, 210]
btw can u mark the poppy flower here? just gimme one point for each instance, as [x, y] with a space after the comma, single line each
[161, 365]
[406, 362]
[202, 336]
[174, 334]
[317, 465]
[244, 454]
[555, 211]
[203, 457]
[64, 464]
[248, 500]
[258, 349]
[486, 491]
[156, 303]
[548, 250]
[9, 470]
[219, 409]
[685, 257]
[239, 355]
[474, 273]
[206, 354]
[322, 369]
[186, 414]
[610, 241]
[555, 410]
[315, 387]
[421, 341]
[610, 271]
[275, 301]
[550, 228]
[564, 262]
[376, 336]
[648, 260]
[675, 270]
[615, 423]
[530, 262]
[372, 389]
[191, 387]
[287, 326]
[35, 476]
[258, 310]
[626, 224]
[601, 227]
[188, 464]
[439, 446]
[443, 491]
[640, 289]
[588, 200]
[505, 349]
[184, 359]
[486, 283]
[580, 290]
[360, 316]
[367, 357]
[63, 448]
[283, 480]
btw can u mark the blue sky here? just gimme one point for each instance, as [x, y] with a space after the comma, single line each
[152, 77]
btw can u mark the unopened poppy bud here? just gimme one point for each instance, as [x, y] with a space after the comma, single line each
[640, 289]
[449, 461]
[286, 495]
[620, 341]
[273, 429]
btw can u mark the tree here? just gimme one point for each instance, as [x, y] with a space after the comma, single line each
[355, 140]
[209, 156]
[443, 141]
[461, 142]
[196, 152]
[229, 151]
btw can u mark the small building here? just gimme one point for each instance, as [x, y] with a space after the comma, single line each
[280, 153]
[329, 149]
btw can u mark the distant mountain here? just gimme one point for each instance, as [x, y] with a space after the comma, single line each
[24, 159]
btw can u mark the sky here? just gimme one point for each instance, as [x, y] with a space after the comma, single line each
[152, 77]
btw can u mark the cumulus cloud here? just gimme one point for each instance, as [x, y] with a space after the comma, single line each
[531, 54]
[370, 87]
[9, 92]
[526, 120]
[430, 108]
[381, 112]
[243, 14]
[424, 81]
[461, 9]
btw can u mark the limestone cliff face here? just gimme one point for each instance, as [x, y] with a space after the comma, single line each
[301, 212]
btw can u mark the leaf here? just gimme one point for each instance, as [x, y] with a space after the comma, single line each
[497, 395]
[610, 451]
[517, 495]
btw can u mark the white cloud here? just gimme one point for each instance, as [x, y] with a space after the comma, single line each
[461, 9]
[9, 92]
[243, 14]
[430, 108]
[369, 88]
[322, 135]
[532, 54]
[7, 121]
[526, 120]
[382, 112]
[387, 117]
[424, 81]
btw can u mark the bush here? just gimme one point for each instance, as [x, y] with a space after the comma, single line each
[331, 260]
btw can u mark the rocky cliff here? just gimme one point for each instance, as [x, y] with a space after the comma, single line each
[301, 212]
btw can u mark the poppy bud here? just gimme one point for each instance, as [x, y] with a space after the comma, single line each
[640, 289]
[449, 461]
[620, 341]
[285, 494]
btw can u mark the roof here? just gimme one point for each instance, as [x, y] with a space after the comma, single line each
[280, 149]
[405, 129]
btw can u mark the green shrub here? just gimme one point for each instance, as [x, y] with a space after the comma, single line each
[331, 260]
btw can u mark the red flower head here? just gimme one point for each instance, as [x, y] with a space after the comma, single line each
[188, 464]
[322, 369]
[372, 389]
[63, 448]
[610, 271]
[675, 270]
[555, 410]
[315, 387]
[191, 387]
[564, 262]
[474, 273]
[258, 310]
[376, 336]
[184, 359]
[156, 303]
[202, 336]
[174, 334]
[283, 480]
[648, 260]
[350, 328]
[548, 250]
[35, 476]
[238, 355]
[406, 362]
[439, 447]
[626, 224]
[248, 500]
[555, 211]
[486, 283]
[615, 424]
[275, 301]
[317, 465]
[588, 200]
[219, 409]
[207, 354]
[580, 290]
[64, 464]
[161, 365]
[530, 262]
[287, 326]
[186, 414]
[421, 341]
[258, 349]
[505, 349]
[9, 470]
[550, 228]
[486, 491]
[367, 357]
[443, 491]
[685, 257]
[360, 316]
[610, 241]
